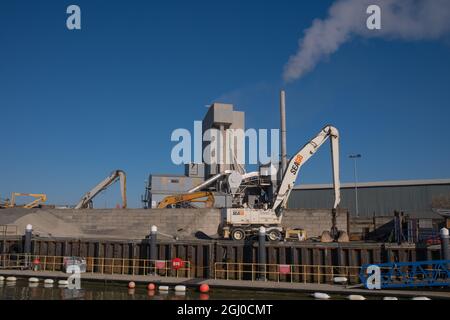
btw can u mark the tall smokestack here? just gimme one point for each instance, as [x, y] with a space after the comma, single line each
[283, 131]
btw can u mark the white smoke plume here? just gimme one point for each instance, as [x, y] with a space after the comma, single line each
[409, 20]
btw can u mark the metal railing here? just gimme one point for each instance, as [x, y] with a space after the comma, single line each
[431, 273]
[285, 272]
[113, 266]
[405, 274]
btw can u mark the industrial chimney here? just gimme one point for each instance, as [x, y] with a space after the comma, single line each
[283, 131]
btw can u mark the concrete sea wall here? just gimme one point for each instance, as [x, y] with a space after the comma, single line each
[136, 223]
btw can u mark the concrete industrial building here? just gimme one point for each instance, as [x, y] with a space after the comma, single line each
[222, 117]
[415, 197]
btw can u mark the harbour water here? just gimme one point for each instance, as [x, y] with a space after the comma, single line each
[22, 290]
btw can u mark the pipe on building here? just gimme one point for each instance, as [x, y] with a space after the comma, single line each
[209, 181]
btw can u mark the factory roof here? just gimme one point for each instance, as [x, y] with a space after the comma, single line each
[376, 184]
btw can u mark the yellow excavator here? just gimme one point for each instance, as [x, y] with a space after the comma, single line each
[184, 200]
[39, 199]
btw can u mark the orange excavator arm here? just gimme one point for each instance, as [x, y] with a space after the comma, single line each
[188, 198]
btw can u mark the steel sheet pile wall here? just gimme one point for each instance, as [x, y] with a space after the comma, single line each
[203, 254]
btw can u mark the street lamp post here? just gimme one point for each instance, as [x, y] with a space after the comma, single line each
[355, 157]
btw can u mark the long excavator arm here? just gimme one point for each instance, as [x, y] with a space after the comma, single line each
[113, 177]
[300, 158]
[188, 197]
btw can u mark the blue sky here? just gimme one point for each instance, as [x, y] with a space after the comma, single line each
[75, 105]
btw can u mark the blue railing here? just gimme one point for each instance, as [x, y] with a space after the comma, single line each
[431, 273]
